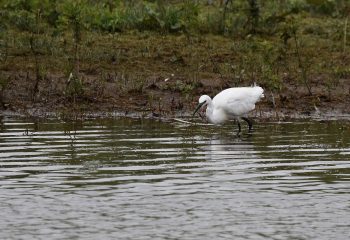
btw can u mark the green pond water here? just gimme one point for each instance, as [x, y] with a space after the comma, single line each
[145, 179]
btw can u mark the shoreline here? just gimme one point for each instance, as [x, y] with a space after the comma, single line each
[259, 116]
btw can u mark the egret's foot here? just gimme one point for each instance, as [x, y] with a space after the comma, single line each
[249, 135]
[250, 123]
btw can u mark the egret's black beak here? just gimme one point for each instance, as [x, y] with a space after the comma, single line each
[197, 108]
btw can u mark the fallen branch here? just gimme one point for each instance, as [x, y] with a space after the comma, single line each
[193, 123]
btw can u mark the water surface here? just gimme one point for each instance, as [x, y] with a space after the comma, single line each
[143, 179]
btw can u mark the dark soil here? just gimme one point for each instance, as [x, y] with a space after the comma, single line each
[156, 76]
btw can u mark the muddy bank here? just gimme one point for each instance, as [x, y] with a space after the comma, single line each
[163, 76]
[166, 105]
[155, 100]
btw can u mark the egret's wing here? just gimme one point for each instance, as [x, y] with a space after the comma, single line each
[239, 101]
[238, 107]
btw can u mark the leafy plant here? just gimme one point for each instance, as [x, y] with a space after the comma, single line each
[74, 87]
[303, 65]
[72, 18]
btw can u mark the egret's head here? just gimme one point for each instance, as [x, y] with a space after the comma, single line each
[203, 100]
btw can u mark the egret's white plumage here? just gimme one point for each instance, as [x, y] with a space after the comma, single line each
[231, 103]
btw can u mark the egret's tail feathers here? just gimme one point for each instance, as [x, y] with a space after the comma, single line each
[259, 92]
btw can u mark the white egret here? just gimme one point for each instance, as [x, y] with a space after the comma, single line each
[231, 103]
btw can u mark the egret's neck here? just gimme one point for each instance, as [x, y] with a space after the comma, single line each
[215, 115]
[209, 110]
[209, 102]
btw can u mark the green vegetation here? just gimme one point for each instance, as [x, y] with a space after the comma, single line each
[58, 52]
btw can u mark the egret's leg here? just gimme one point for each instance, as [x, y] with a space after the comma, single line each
[250, 123]
[239, 127]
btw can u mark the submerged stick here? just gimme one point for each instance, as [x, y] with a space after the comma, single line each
[193, 123]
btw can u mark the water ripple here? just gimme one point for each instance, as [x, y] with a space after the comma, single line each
[136, 179]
